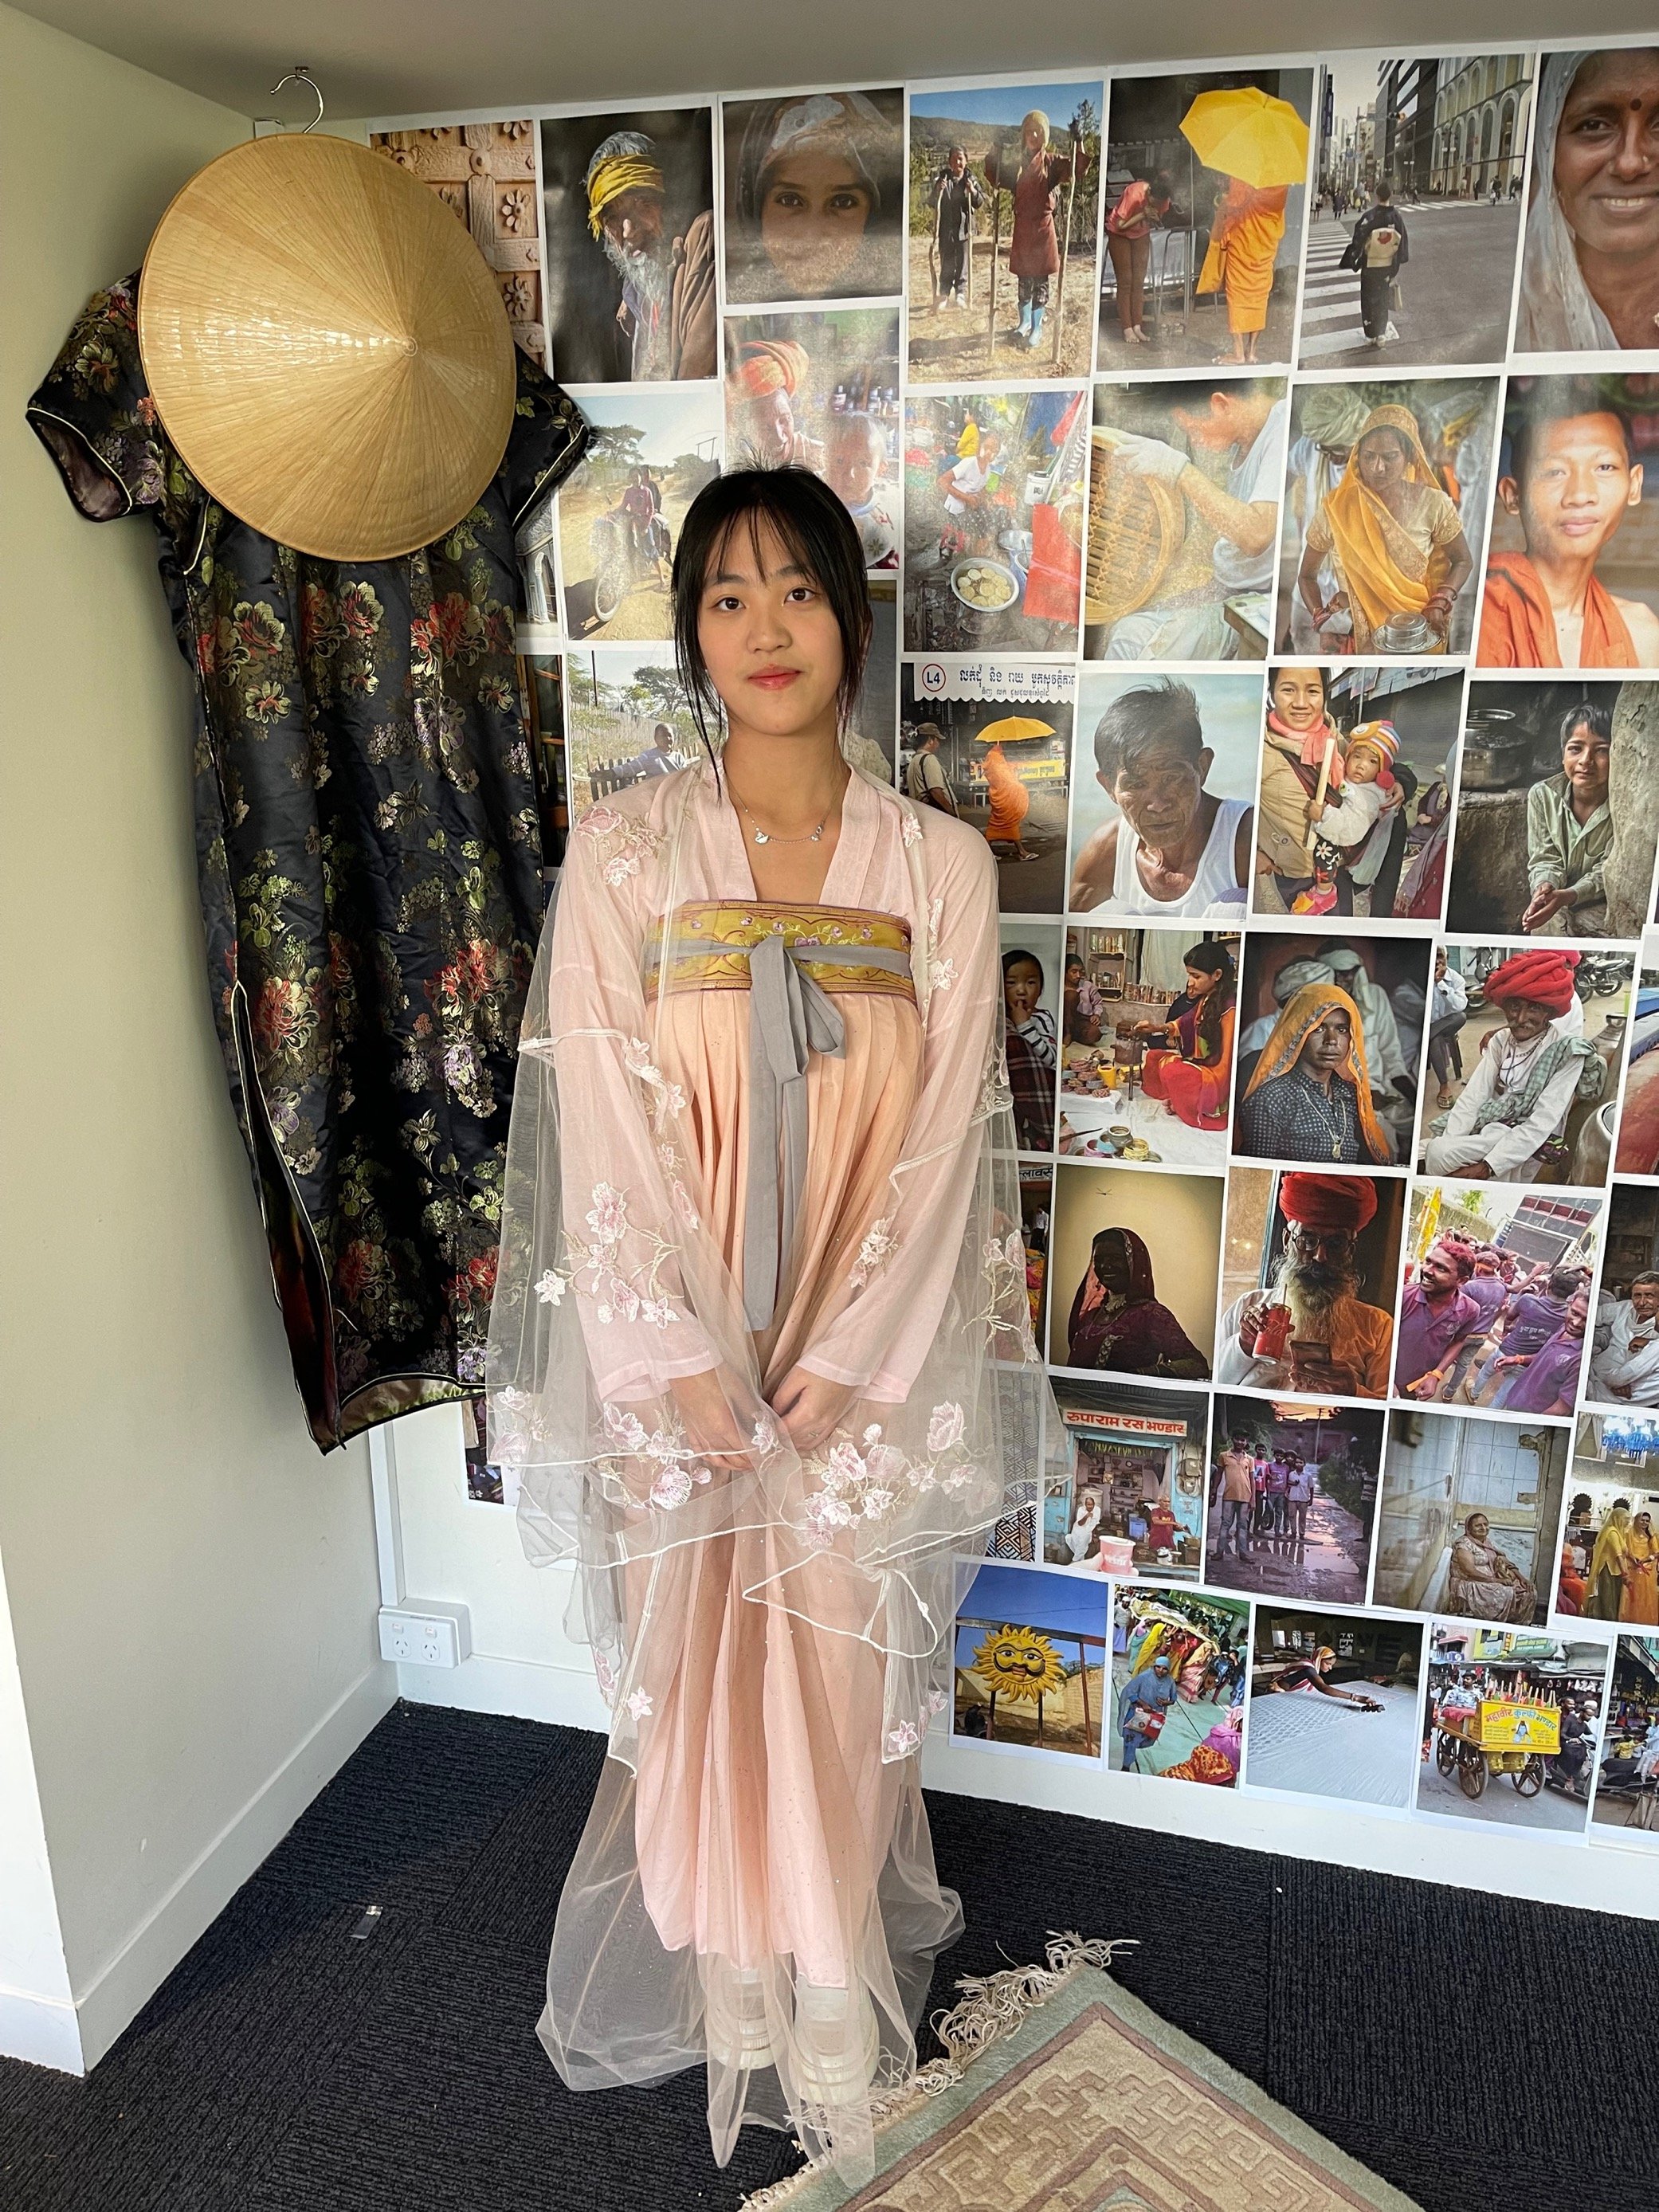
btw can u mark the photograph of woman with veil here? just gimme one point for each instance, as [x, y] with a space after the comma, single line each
[761, 1347]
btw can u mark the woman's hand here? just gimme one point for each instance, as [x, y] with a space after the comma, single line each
[703, 1403]
[810, 1408]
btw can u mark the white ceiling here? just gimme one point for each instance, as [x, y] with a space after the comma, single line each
[379, 57]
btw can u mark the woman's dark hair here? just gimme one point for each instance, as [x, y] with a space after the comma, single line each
[819, 535]
[1210, 957]
[1595, 718]
[1011, 960]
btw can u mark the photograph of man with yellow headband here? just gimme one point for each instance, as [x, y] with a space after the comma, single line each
[629, 224]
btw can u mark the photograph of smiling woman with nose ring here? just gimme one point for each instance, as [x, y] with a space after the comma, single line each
[761, 1349]
[1589, 269]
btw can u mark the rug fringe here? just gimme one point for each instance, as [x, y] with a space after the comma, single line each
[992, 2007]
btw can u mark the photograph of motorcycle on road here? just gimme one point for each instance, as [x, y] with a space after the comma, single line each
[620, 513]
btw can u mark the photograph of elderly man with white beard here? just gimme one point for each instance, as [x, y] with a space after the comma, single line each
[1308, 1284]
[628, 217]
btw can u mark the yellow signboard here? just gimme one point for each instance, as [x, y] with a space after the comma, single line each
[1507, 1726]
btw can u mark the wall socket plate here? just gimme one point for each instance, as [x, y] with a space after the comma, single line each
[425, 1633]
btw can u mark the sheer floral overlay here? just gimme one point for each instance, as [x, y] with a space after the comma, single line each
[756, 1889]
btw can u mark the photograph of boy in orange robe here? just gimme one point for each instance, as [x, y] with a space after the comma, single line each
[1572, 478]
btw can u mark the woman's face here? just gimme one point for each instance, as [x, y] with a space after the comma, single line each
[1022, 989]
[1110, 1261]
[1299, 697]
[1584, 762]
[814, 210]
[1382, 457]
[770, 637]
[1477, 1525]
[1032, 139]
[1199, 982]
[1327, 1044]
[1606, 155]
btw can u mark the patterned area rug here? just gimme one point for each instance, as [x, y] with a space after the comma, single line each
[1061, 2093]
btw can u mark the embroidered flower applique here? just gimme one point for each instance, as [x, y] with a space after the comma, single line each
[596, 1267]
[906, 1736]
[868, 1479]
[637, 1705]
[630, 841]
[878, 1249]
[909, 829]
[679, 1470]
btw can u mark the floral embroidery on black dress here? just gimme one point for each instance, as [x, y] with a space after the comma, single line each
[368, 853]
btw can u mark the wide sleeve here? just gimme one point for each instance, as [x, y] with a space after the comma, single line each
[548, 436]
[880, 1338]
[626, 1213]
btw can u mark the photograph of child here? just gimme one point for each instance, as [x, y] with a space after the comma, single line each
[820, 391]
[1292, 1496]
[1004, 181]
[814, 195]
[1165, 828]
[650, 454]
[1185, 482]
[993, 521]
[1353, 812]
[628, 218]
[1526, 1066]
[991, 742]
[1590, 267]
[1134, 1272]
[1496, 1298]
[1132, 1498]
[1030, 1661]
[1417, 209]
[1553, 838]
[1467, 1515]
[1206, 198]
[1146, 1048]
[1328, 1050]
[1572, 578]
[1511, 1728]
[1309, 1274]
[1180, 1668]
[1385, 510]
[1031, 981]
[1333, 1705]
[1627, 1785]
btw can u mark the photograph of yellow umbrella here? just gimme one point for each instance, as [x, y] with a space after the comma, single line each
[1260, 144]
[1011, 802]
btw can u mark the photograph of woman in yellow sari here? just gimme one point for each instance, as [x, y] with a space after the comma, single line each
[1395, 544]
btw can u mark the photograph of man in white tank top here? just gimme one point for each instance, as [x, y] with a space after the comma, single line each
[1175, 848]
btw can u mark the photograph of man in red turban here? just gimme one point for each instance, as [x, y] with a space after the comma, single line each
[1507, 1124]
[1308, 1328]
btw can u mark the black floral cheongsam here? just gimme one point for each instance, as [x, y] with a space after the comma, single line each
[369, 860]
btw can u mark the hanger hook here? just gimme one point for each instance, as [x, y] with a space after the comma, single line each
[301, 74]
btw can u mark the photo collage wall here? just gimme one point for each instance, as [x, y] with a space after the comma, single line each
[1250, 465]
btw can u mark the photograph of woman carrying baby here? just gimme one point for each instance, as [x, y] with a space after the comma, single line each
[1357, 770]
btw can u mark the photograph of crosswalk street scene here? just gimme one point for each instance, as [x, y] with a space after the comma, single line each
[1416, 212]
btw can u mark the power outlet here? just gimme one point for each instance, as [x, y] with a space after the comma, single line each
[428, 1632]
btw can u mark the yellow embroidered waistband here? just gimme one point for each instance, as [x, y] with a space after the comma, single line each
[840, 948]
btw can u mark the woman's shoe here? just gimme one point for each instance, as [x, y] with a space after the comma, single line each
[838, 2044]
[735, 2023]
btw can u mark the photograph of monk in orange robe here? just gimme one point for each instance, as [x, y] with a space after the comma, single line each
[1568, 530]
[1004, 755]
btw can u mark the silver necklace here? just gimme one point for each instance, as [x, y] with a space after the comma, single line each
[770, 837]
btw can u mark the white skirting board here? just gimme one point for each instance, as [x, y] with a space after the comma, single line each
[73, 2037]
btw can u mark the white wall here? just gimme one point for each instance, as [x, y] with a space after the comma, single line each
[191, 1586]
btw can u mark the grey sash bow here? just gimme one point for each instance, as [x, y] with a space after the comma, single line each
[790, 1018]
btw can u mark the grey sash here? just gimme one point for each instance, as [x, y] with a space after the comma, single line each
[790, 1018]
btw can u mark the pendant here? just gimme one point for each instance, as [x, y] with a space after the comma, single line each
[1336, 1148]
[761, 837]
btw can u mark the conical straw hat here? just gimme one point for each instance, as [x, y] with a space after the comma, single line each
[327, 348]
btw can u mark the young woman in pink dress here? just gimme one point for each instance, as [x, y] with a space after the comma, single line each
[761, 1347]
